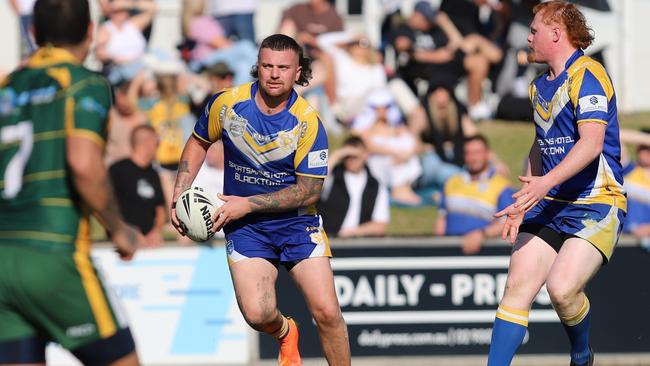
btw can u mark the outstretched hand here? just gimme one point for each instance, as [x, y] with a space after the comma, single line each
[514, 217]
[534, 190]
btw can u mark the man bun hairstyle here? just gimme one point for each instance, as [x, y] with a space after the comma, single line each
[61, 22]
[567, 14]
[281, 42]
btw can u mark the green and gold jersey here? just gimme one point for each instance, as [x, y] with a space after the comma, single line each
[42, 103]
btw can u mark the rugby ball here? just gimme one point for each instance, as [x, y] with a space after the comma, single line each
[194, 209]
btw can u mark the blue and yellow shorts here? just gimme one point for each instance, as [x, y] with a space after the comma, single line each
[556, 221]
[287, 240]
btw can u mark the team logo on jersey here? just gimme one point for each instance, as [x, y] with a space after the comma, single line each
[236, 125]
[593, 103]
[317, 159]
[287, 139]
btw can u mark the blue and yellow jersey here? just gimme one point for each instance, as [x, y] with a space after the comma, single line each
[637, 185]
[471, 204]
[582, 93]
[264, 153]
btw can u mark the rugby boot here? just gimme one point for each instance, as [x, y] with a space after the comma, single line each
[289, 354]
[589, 363]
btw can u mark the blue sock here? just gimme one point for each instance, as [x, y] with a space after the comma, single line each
[577, 328]
[507, 334]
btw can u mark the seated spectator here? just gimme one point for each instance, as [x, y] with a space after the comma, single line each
[236, 17]
[305, 22]
[477, 37]
[213, 46]
[357, 68]
[106, 6]
[429, 48]
[442, 132]
[472, 197]
[120, 42]
[137, 186]
[447, 123]
[353, 203]
[393, 148]
[124, 116]
[637, 186]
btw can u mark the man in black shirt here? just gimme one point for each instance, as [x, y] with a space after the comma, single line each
[430, 48]
[137, 186]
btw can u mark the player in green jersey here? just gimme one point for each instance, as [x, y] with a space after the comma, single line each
[53, 124]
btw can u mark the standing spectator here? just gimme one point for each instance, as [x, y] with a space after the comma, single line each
[236, 18]
[137, 186]
[393, 148]
[353, 203]
[24, 10]
[637, 186]
[429, 49]
[120, 41]
[170, 116]
[471, 198]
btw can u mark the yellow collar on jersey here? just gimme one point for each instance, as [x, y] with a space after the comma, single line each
[50, 55]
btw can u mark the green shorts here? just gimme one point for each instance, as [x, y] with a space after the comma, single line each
[55, 295]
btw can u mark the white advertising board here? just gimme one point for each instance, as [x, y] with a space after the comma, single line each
[180, 306]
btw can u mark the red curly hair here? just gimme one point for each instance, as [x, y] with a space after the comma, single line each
[567, 14]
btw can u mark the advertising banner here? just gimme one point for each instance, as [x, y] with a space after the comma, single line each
[180, 305]
[401, 300]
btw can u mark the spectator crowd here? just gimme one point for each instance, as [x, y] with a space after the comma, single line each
[406, 108]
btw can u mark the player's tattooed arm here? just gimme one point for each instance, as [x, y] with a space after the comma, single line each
[305, 192]
[183, 177]
[189, 165]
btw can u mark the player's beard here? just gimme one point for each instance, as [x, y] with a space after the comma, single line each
[276, 93]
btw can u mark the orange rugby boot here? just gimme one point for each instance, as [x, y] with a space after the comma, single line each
[289, 354]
